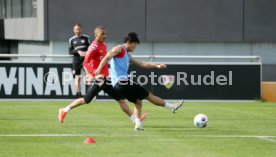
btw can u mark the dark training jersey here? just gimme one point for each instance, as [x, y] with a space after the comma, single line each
[78, 43]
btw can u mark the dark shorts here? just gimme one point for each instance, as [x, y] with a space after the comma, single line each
[77, 65]
[96, 87]
[131, 91]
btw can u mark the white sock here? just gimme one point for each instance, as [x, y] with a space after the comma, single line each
[168, 105]
[132, 118]
[66, 109]
[137, 122]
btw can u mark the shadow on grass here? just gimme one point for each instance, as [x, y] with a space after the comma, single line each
[177, 128]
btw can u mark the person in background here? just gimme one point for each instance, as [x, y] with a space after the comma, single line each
[79, 44]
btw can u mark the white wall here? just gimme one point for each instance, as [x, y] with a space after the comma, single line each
[267, 51]
[26, 28]
[33, 47]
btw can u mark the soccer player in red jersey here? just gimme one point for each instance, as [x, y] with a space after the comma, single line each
[95, 53]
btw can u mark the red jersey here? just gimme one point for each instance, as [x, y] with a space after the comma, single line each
[95, 53]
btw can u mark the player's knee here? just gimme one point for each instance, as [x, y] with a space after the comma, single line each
[149, 95]
[122, 102]
[138, 103]
[87, 100]
[77, 79]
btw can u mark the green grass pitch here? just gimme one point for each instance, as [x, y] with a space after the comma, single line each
[235, 129]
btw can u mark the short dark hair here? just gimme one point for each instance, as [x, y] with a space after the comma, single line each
[100, 28]
[77, 24]
[132, 37]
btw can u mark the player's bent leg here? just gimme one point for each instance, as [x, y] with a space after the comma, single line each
[125, 107]
[120, 92]
[77, 102]
[117, 96]
[63, 111]
[90, 94]
[132, 116]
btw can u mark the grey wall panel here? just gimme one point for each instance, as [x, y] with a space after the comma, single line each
[120, 17]
[28, 28]
[260, 21]
[267, 51]
[269, 72]
[195, 20]
[202, 48]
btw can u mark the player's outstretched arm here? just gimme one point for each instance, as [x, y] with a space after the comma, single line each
[146, 65]
[113, 52]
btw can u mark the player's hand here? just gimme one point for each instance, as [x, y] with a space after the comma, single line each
[88, 78]
[96, 72]
[99, 77]
[161, 66]
[81, 53]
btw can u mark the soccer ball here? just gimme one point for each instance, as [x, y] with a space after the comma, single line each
[200, 120]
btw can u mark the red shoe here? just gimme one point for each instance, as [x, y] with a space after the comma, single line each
[144, 117]
[61, 115]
